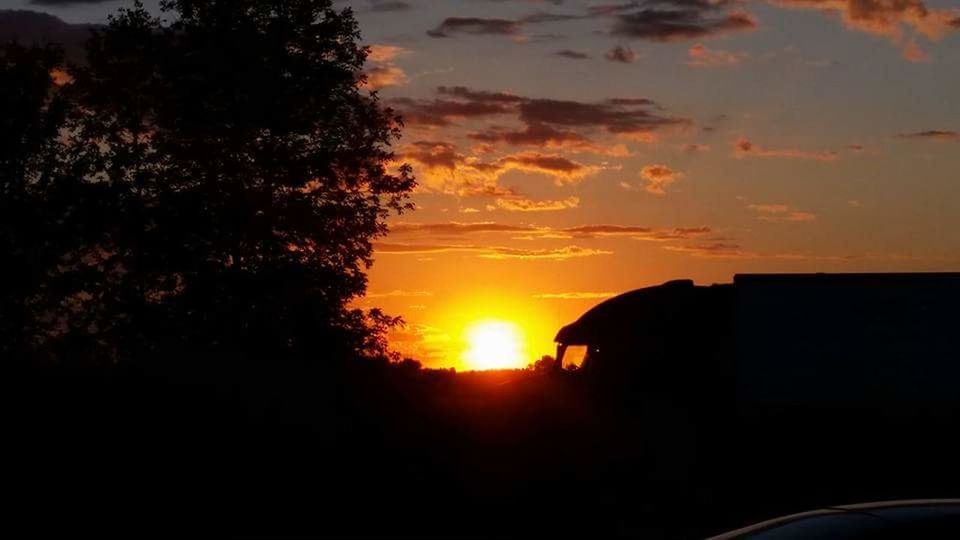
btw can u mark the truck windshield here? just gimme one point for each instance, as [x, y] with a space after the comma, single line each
[574, 356]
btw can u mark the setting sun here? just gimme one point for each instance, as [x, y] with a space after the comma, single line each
[494, 344]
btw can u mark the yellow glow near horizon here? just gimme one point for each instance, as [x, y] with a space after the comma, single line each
[494, 344]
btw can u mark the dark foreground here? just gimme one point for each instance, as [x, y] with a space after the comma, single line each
[395, 450]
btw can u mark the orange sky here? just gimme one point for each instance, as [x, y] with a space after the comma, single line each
[568, 150]
[565, 155]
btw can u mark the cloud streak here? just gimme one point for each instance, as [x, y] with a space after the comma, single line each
[932, 135]
[703, 57]
[475, 26]
[735, 251]
[592, 231]
[399, 293]
[523, 204]
[544, 136]
[491, 252]
[576, 295]
[745, 148]
[651, 20]
[781, 213]
[571, 54]
[696, 20]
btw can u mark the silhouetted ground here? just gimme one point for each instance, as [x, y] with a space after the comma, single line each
[398, 451]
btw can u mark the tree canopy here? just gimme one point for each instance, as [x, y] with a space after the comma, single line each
[203, 186]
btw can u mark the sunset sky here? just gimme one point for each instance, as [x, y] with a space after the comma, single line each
[570, 150]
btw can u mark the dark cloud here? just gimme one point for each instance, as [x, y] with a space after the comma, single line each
[554, 2]
[480, 96]
[534, 135]
[633, 5]
[705, 5]
[621, 54]
[933, 135]
[389, 5]
[655, 20]
[543, 118]
[544, 136]
[441, 112]
[68, 2]
[633, 101]
[556, 128]
[497, 27]
[599, 10]
[550, 164]
[573, 55]
[475, 26]
[632, 117]
[544, 17]
[679, 24]
[434, 154]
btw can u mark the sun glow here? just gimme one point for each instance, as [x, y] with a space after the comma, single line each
[494, 344]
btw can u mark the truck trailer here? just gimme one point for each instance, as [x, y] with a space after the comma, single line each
[780, 392]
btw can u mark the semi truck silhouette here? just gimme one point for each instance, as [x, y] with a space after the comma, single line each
[780, 392]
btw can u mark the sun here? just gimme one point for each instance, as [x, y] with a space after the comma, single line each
[494, 344]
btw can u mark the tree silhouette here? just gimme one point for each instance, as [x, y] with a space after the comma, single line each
[212, 191]
[545, 364]
[31, 113]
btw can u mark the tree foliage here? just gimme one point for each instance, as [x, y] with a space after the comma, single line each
[210, 186]
[31, 114]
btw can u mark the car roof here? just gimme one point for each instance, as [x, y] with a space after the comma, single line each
[876, 509]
